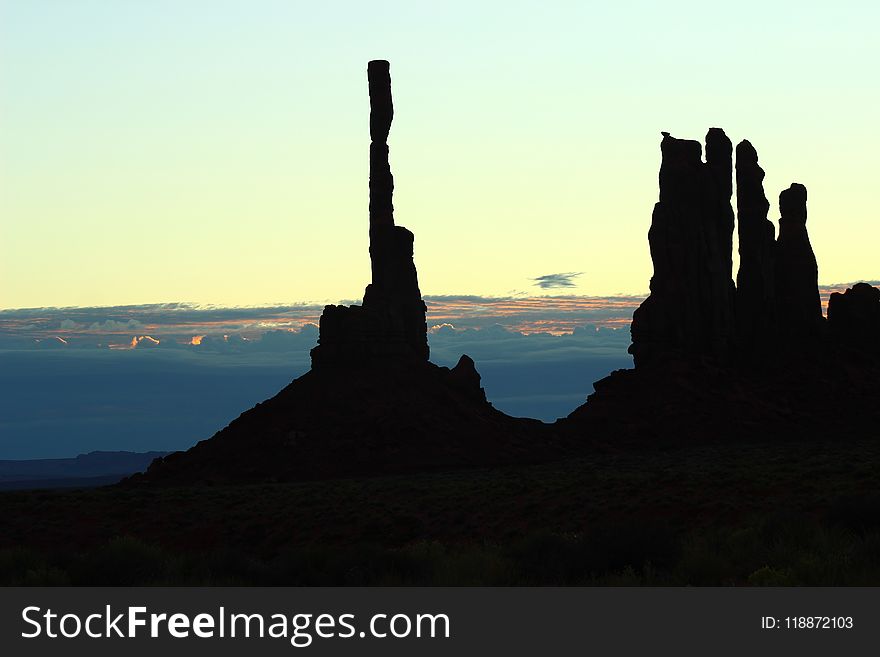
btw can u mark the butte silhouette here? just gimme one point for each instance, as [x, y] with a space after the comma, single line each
[753, 360]
[372, 401]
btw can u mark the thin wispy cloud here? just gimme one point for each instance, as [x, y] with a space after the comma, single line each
[553, 281]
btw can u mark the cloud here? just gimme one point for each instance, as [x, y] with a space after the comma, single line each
[53, 342]
[293, 327]
[171, 323]
[551, 281]
[186, 371]
[498, 344]
[183, 371]
[545, 314]
[62, 401]
[826, 290]
[285, 328]
[145, 342]
[112, 326]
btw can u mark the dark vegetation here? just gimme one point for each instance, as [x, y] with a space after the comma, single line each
[754, 514]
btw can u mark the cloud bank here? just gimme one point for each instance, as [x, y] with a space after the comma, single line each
[164, 376]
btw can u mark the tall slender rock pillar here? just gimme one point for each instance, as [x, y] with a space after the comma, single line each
[755, 287]
[381, 181]
[390, 326]
[798, 307]
[395, 286]
[719, 219]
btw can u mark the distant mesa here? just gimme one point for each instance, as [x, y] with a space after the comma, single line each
[92, 469]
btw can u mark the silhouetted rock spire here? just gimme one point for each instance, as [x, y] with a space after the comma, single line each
[689, 311]
[719, 227]
[390, 326]
[798, 307]
[381, 115]
[755, 287]
[372, 401]
[719, 159]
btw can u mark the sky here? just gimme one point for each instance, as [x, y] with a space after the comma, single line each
[215, 152]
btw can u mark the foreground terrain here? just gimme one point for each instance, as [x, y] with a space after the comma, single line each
[753, 514]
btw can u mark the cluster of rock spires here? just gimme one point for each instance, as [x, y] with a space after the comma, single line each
[751, 361]
[694, 309]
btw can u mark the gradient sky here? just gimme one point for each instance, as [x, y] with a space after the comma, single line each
[216, 152]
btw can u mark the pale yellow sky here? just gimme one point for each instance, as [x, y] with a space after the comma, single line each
[217, 152]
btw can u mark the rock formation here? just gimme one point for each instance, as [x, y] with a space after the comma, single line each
[719, 161]
[783, 377]
[372, 402]
[694, 310]
[389, 328]
[689, 310]
[854, 316]
[755, 287]
[798, 307]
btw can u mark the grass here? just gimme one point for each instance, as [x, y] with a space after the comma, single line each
[745, 515]
[764, 553]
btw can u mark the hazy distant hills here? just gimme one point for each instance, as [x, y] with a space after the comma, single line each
[92, 469]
